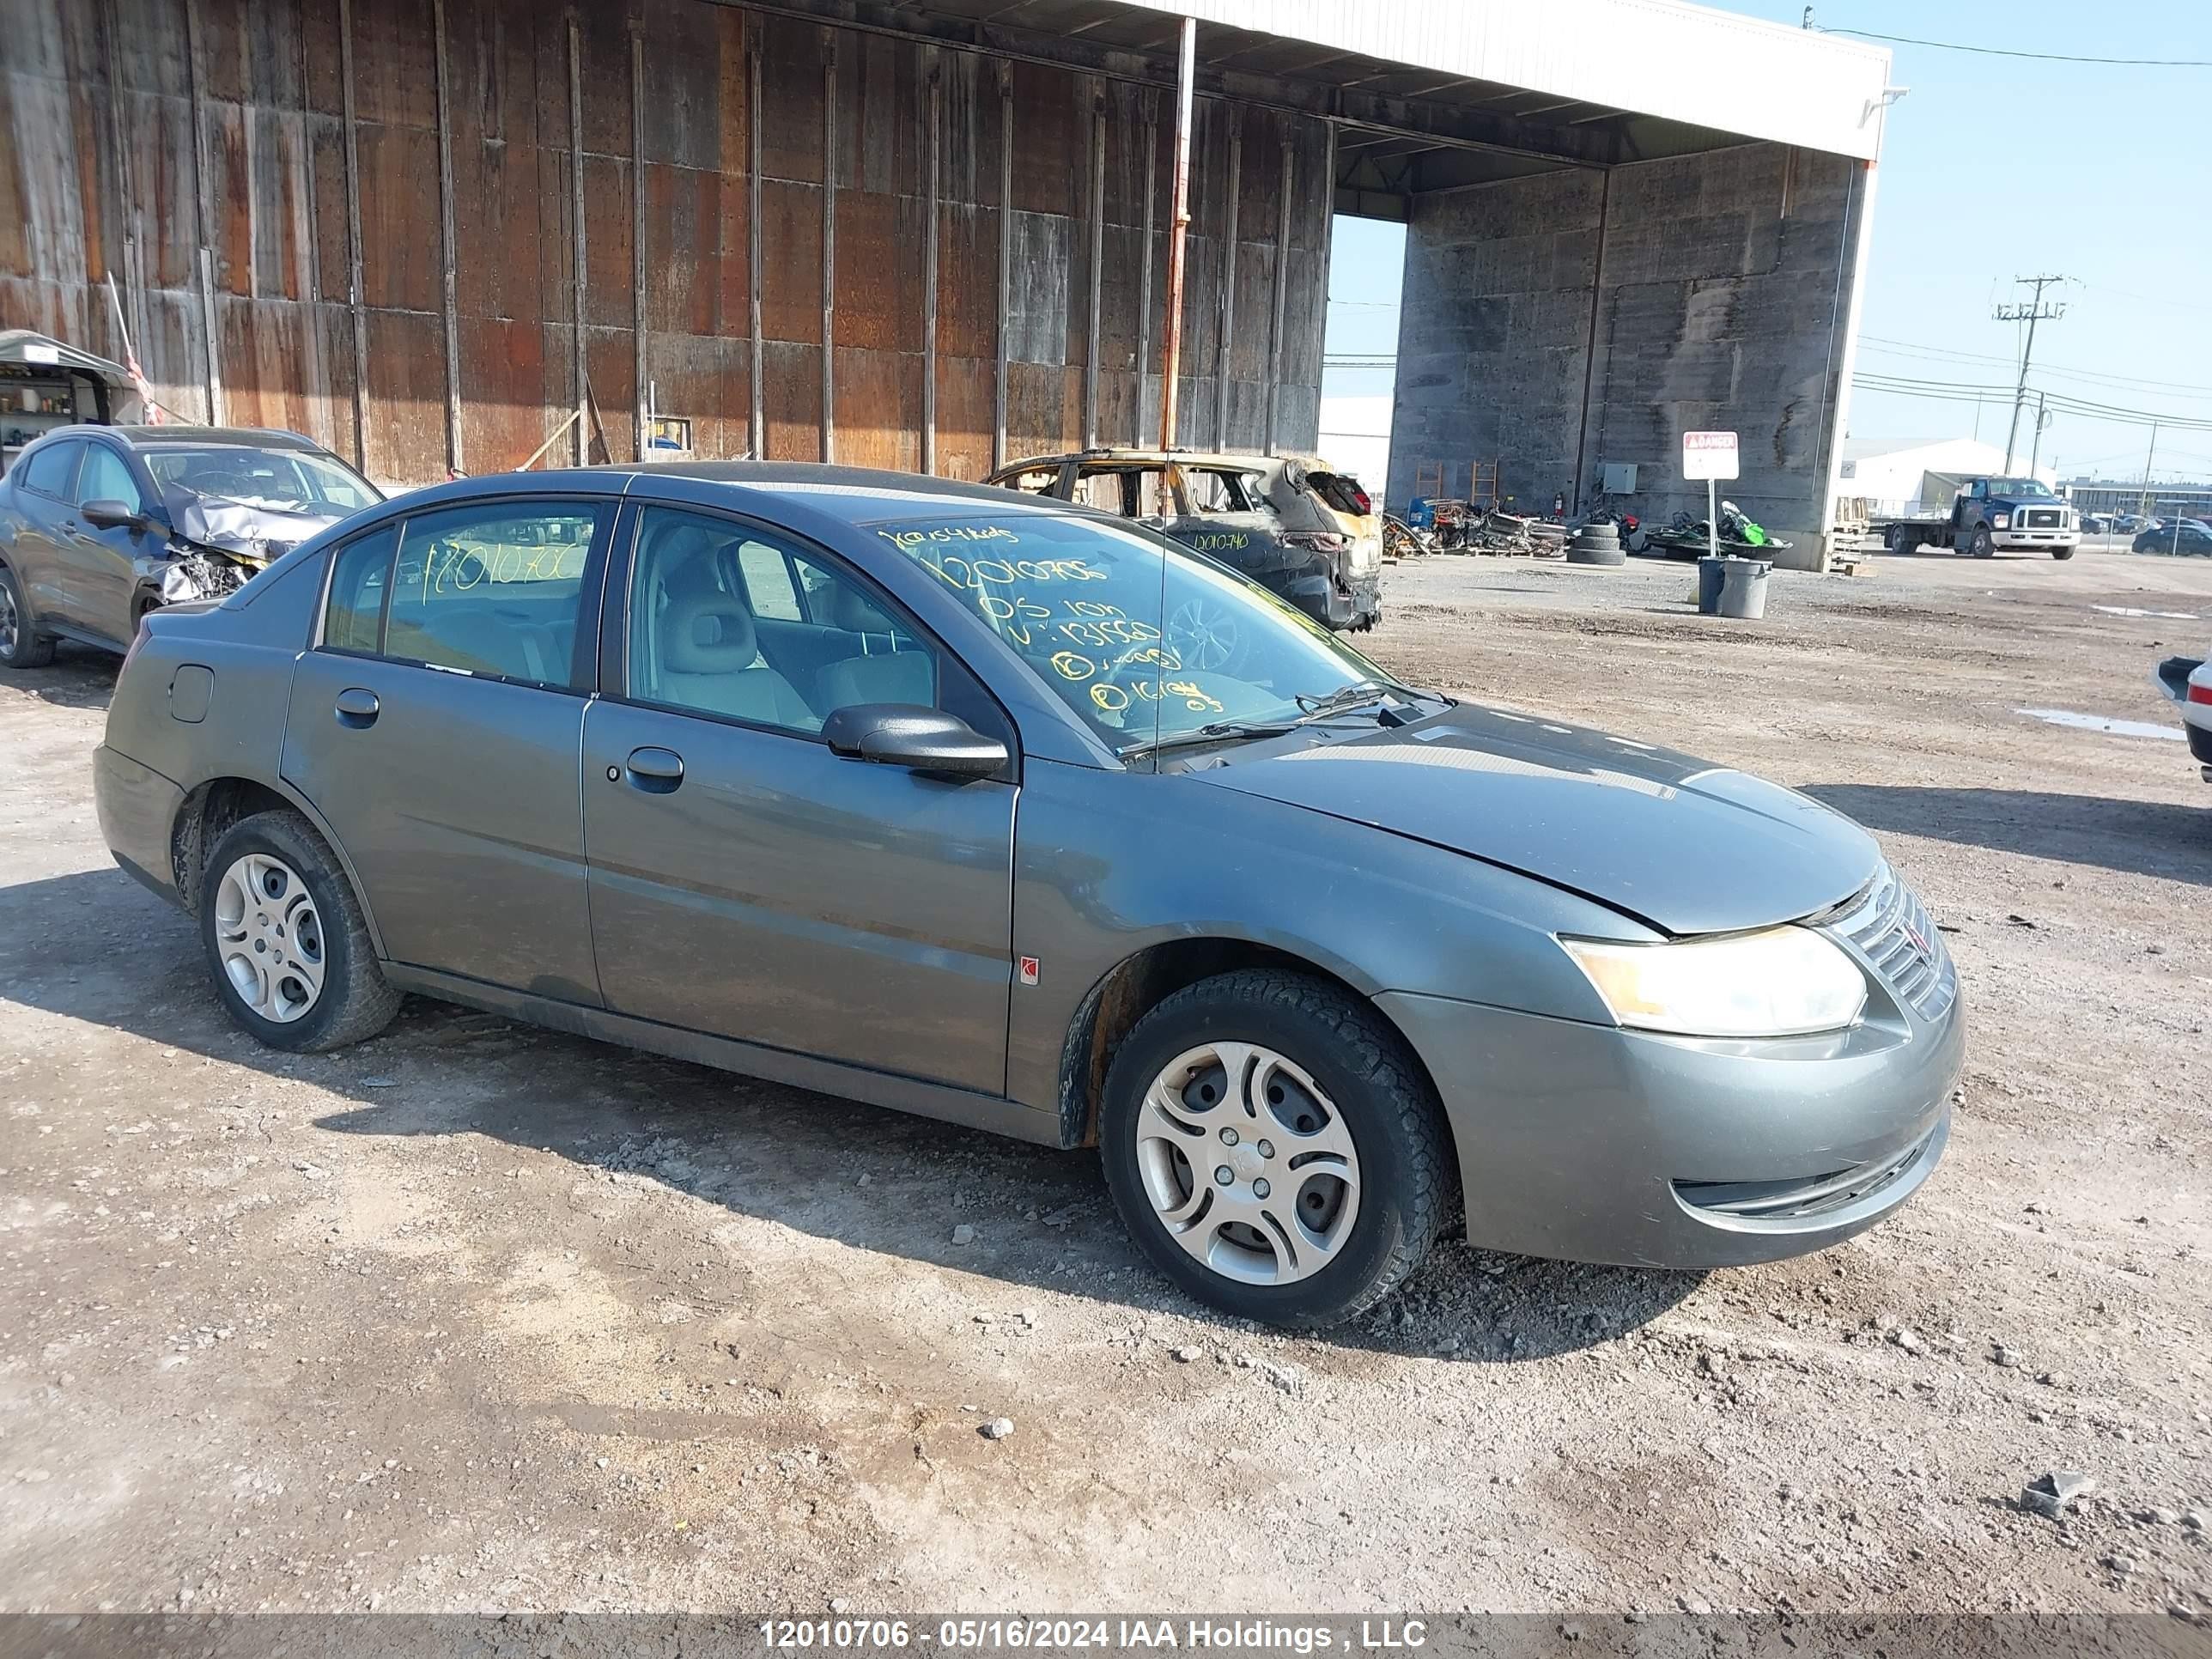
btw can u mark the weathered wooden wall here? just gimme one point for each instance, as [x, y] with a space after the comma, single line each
[359, 219]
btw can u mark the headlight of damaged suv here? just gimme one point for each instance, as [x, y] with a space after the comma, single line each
[1784, 981]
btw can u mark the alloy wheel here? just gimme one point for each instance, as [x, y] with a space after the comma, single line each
[10, 622]
[1204, 635]
[1248, 1163]
[268, 936]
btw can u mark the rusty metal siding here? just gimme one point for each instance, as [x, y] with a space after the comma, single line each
[134, 133]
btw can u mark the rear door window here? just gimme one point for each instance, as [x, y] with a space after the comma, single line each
[52, 470]
[493, 589]
[1217, 489]
[361, 576]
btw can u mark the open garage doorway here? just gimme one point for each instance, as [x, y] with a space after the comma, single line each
[1360, 347]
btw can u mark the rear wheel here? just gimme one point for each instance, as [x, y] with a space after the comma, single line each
[20, 646]
[1273, 1148]
[1898, 540]
[286, 939]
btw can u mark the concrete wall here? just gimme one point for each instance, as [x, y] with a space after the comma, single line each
[1556, 323]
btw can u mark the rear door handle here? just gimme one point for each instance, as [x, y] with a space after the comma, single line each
[656, 771]
[357, 708]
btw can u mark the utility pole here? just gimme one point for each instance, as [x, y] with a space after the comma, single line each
[2142, 507]
[2035, 449]
[2031, 314]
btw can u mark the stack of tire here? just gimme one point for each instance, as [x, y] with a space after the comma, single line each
[1596, 543]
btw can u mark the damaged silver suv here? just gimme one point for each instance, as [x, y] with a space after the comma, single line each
[99, 525]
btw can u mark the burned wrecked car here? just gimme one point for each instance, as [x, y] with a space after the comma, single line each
[1302, 531]
[99, 525]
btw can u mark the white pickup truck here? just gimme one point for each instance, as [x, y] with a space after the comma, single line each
[2188, 682]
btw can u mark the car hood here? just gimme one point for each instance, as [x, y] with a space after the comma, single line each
[1687, 846]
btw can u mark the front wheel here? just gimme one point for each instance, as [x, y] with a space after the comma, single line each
[1275, 1149]
[20, 646]
[1983, 545]
[2061, 552]
[286, 939]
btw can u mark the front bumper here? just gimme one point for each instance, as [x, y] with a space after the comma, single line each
[2039, 540]
[137, 809]
[1590, 1143]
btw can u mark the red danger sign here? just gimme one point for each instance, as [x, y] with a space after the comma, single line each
[1709, 455]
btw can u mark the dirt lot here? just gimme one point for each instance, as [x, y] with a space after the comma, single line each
[475, 1317]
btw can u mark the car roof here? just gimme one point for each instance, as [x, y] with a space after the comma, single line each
[1149, 458]
[855, 495]
[245, 437]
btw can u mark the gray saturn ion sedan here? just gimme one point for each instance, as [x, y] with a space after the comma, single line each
[912, 792]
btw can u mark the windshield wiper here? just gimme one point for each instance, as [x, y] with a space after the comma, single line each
[1342, 700]
[1219, 731]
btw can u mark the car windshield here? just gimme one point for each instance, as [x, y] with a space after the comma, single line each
[278, 480]
[2016, 487]
[1145, 640]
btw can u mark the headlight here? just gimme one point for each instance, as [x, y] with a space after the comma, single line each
[1786, 981]
[2001, 520]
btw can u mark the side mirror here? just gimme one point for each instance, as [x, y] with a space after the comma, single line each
[112, 515]
[910, 735]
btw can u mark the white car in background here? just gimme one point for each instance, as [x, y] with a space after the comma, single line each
[2188, 682]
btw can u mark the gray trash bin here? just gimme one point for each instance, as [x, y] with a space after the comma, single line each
[1743, 588]
[1709, 573]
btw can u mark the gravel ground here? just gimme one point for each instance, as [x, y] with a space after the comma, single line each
[477, 1317]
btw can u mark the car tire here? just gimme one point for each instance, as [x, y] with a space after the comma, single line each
[1983, 545]
[1284, 1031]
[22, 646]
[2061, 552]
[266, 880]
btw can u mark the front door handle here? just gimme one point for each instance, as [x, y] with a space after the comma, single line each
[357, 708]
[656, 771]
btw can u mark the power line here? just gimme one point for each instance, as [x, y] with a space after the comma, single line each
[2006, 51]
[1910, 349]
[2063, 403]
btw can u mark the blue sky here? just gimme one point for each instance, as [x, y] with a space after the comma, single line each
[1996, 168]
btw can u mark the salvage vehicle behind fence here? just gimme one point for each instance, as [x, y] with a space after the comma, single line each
[99, 525]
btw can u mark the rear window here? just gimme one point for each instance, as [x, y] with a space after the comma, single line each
[1341, 491]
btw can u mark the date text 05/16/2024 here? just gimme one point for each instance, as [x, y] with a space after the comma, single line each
[1079, 1635]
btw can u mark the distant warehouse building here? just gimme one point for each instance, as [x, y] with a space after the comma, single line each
[932, 233]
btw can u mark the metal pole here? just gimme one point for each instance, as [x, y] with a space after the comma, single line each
[1006, 259]
[756, 437]
[1712, 520]
[638, 372]
[576, 215]
[829, 253]
[354, 302]
[448, 256]
[933, 125]
[2020, 392]
[2142, 507]
[1178, 224]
